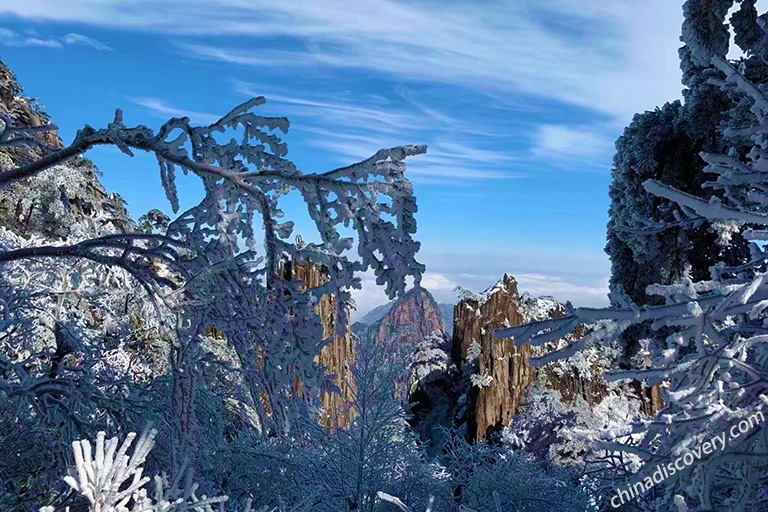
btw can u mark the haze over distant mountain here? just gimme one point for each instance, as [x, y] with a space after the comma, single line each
[376, 314]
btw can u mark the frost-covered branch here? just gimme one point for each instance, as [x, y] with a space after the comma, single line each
[115, 250]
[12, 135]
[222, 257]
[713, 364]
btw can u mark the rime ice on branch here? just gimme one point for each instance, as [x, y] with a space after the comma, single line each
[714, 364]
[213, 267]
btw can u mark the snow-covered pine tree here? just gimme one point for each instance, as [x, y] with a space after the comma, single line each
[664, 144]
[713, 361]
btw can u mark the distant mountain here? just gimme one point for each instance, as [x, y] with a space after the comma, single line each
[379, 312]
[415, 315]
[376, 314]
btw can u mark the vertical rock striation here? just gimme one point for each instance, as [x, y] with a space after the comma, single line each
[503, 372]
[338, 356]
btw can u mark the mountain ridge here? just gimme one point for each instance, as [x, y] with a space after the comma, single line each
[376, 314]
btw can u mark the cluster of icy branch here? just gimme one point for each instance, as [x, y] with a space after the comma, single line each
[214, 267]
[113, 481]
[715, 363]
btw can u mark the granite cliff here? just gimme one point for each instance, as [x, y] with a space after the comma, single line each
[410, 318]
[378, 313]
[56, 201]
[502, 375]
[339, 355]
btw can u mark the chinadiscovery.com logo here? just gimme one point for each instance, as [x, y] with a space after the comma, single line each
[665, 471]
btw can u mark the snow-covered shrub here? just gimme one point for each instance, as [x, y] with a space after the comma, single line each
[549, 426]
[345, 469]
[488, 478]
[111, 478]
[430, 355]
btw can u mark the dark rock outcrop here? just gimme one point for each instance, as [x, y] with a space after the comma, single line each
[430, 384]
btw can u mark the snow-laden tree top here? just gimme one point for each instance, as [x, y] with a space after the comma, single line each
[713, 362]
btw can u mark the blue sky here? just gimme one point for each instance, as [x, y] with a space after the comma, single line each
[520, 103]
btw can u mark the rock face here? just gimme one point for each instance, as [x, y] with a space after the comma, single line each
[377, 314]
[651, 399]
[413, 326]
[19, 109]
[412, 317]
[503, 372]
[50, 203]
[338, 356]
[570, 385]
[499, 373]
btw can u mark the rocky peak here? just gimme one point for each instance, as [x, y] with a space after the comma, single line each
[500, 371]
[53, 202]
[477, 315]
[414, 316]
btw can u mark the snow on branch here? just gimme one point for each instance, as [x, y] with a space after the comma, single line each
[12, 135]
[113, 481]
[713, 363]
[222, 257]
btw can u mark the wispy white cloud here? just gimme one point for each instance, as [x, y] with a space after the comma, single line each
[566, 146]
[438, 166]
[265, 57]
[11, 38]
[618, 58]
[611, 58]
[161, 109]
[30, 38]
[353, 131]
[73, 38]
[434, 281]
[595, 293]
[338, 112]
